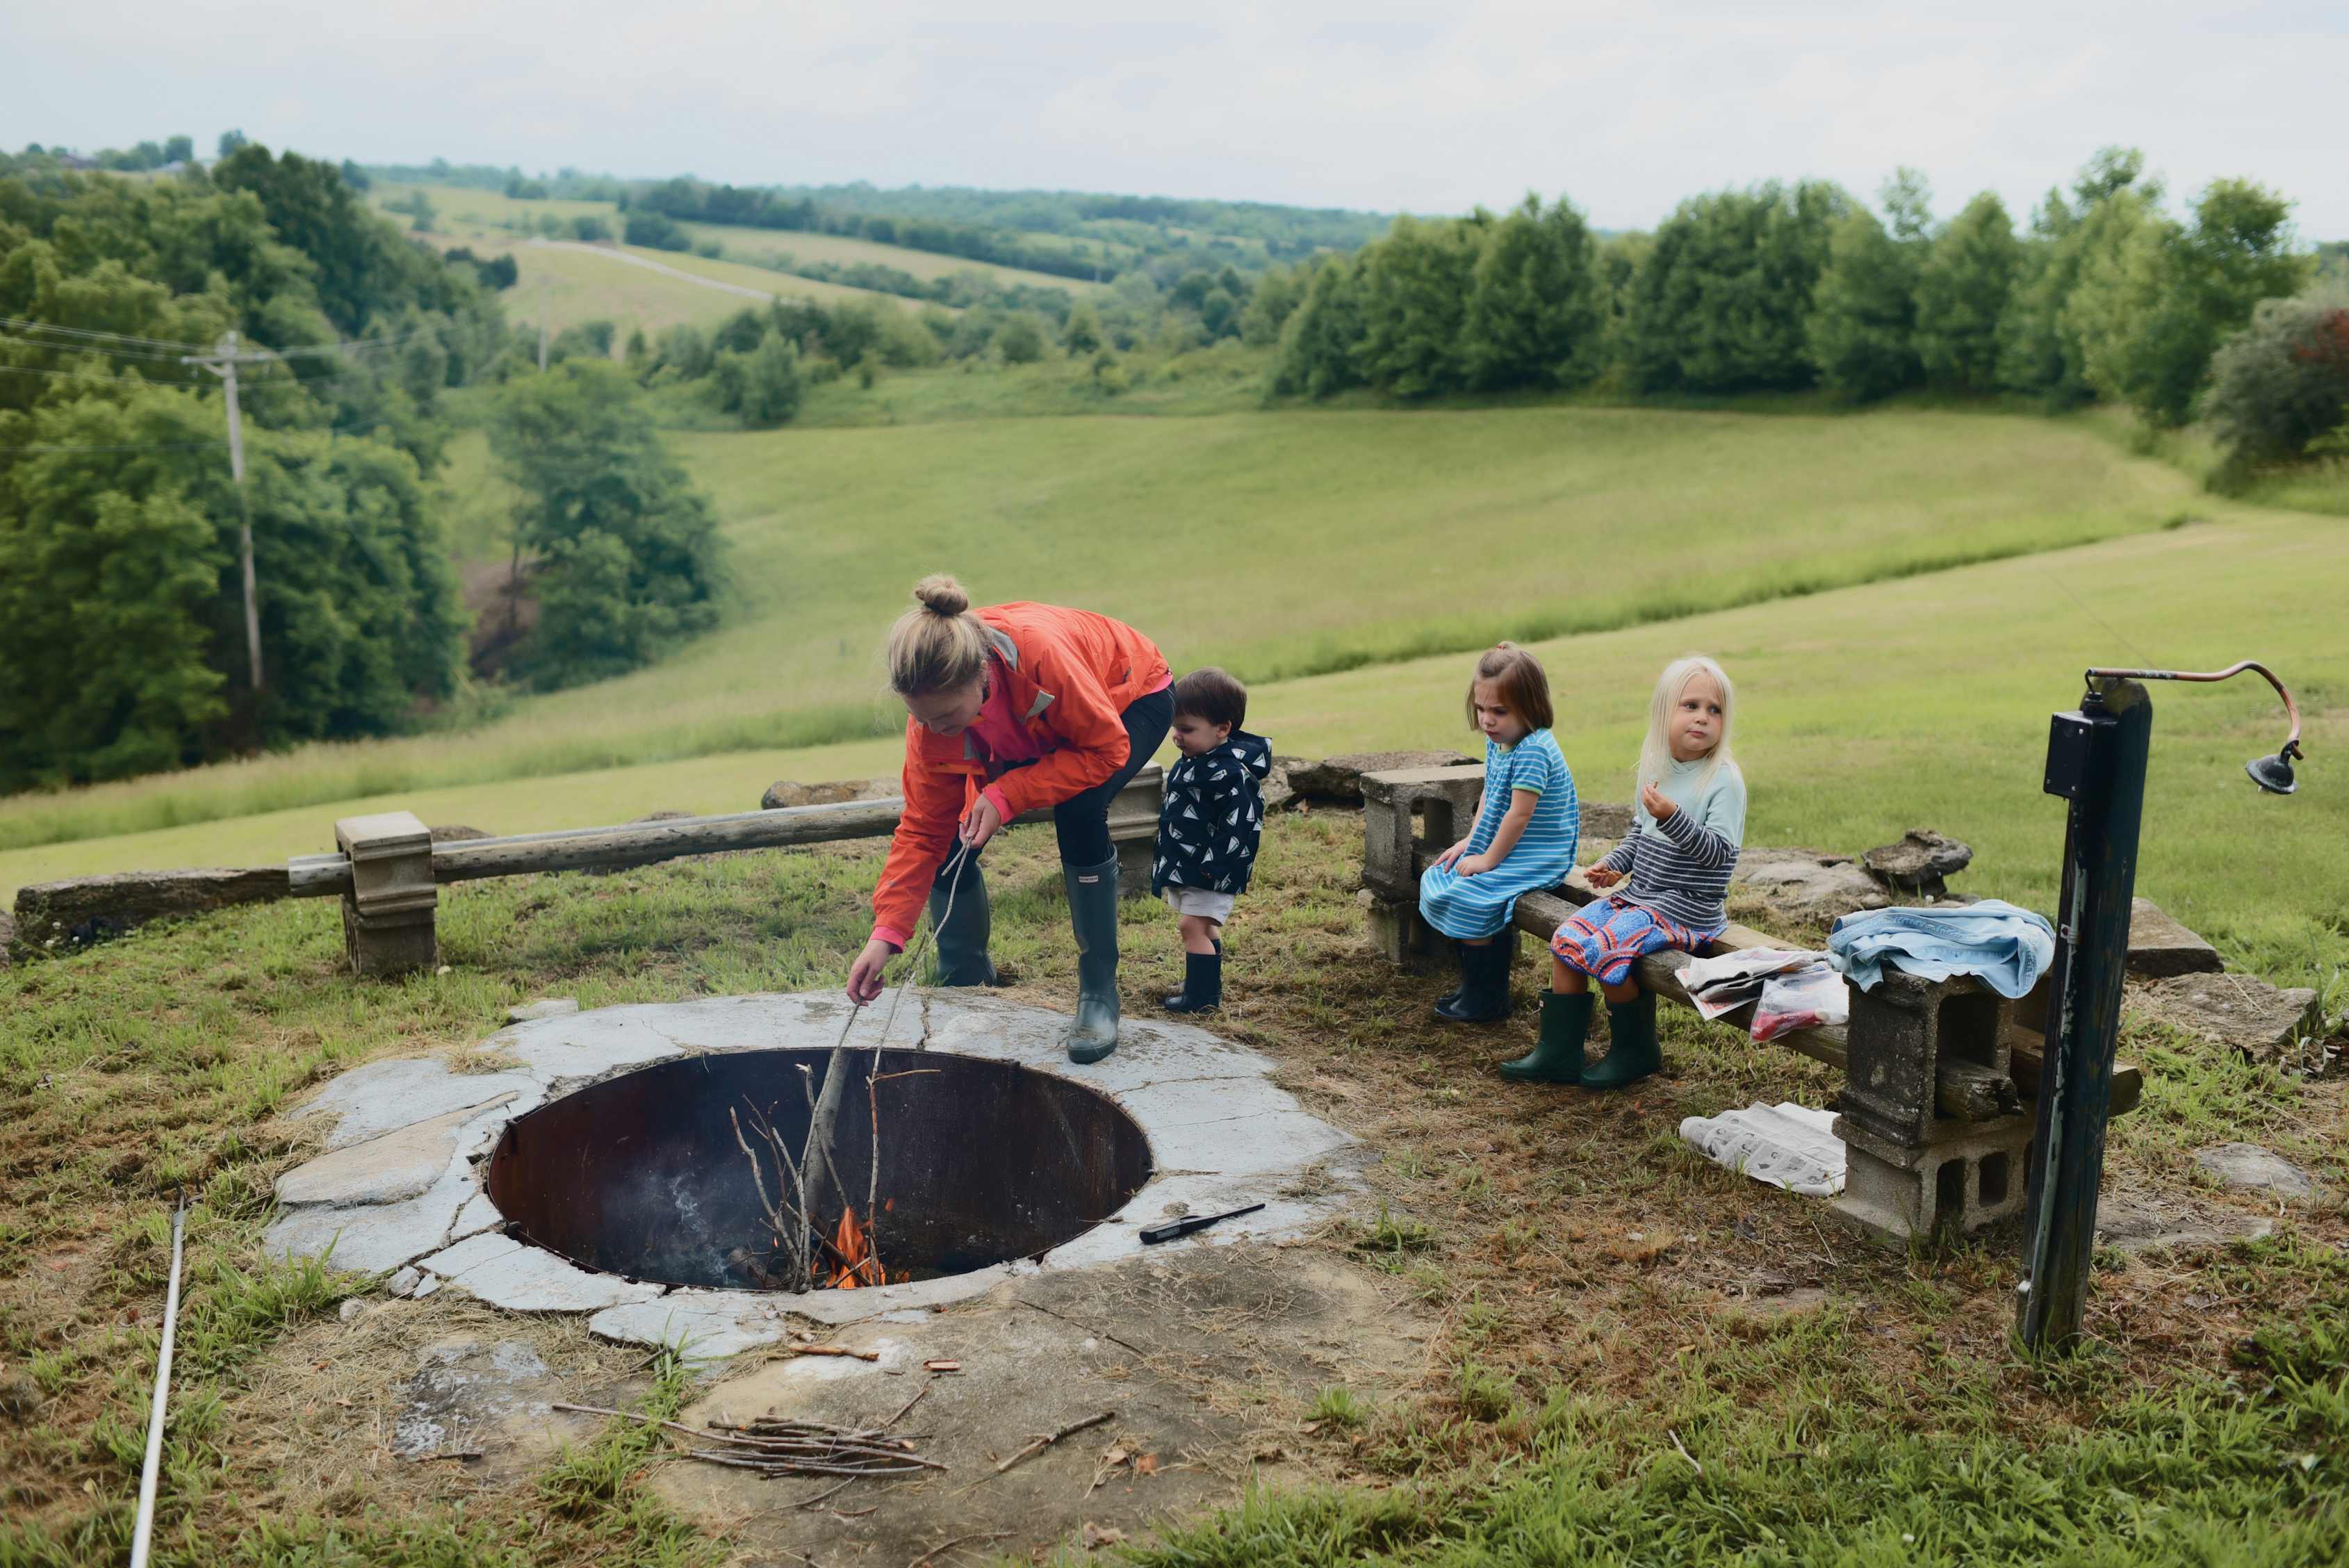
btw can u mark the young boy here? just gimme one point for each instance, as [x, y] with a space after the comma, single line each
[1208, 826]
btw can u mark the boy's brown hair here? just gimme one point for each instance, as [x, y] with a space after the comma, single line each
[1524, 686]
[1212, 695]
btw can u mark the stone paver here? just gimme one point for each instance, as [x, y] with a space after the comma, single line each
[2159, 946]
[381, 1096]
[398, 1165]
[2239, 1011]
[2248, 1166]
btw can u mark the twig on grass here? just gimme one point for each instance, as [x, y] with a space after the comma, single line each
[1040, 1444]
[958, 1541]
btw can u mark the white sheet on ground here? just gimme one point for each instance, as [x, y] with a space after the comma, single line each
[1785, 1145]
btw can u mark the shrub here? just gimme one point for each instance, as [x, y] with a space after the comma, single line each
[2283, 380]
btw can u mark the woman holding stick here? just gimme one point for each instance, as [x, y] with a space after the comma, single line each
[1010, 709]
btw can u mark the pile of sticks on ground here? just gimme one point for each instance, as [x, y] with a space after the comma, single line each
[774, 1446]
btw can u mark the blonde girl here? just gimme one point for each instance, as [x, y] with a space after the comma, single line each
[1668, 878]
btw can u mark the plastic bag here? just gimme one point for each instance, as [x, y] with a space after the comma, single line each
[1802, 999]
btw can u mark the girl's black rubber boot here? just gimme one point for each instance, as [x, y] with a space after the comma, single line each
[1203, 984]
[1484, 993]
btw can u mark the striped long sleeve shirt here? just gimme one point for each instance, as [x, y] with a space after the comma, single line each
[1681, 867]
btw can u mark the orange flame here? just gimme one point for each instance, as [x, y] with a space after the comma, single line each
[857, 1265]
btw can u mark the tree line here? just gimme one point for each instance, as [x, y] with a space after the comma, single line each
[122, 646]
[2103, 293]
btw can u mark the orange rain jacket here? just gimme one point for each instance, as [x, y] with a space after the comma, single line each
[1071, 674]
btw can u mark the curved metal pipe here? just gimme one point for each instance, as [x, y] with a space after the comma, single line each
[2291, 747]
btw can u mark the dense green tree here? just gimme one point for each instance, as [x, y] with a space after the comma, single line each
[1277, 294]
[360, 267]
[1321, 348]
[1962, 291]
[1723, 301]
[1083, 333]
[630, 559]
[1019, 340]
[656, 231]
[1415, 287]
[122, 600]
[771, 386]
[1537, 312]
[180, 150]
[2283, 381]
[2152, 308]
[1863, 312]
[230, 141]
[2040, 349]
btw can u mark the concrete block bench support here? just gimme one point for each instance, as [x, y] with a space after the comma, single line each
[1936, 1075]
[388, 909]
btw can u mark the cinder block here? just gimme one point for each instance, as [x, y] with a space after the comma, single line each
[1901, 1031]
[1965, 1179]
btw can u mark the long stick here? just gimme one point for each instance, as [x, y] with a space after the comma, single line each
[1040, 1444]
[142, 1537]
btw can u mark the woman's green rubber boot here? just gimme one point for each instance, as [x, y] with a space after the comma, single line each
[1557, 1056]
[1633, 1055]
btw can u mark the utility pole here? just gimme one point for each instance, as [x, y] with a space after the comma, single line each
[222, 362]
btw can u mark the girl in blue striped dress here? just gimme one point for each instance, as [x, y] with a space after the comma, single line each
[1670, 874]
[1524, 838]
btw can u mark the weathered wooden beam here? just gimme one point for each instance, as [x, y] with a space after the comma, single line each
[1133, 815]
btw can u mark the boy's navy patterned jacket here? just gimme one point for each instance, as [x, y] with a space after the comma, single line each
[1212, 817]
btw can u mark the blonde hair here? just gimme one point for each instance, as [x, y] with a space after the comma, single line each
[1656, 751]
[1523, 684]
[938, 645]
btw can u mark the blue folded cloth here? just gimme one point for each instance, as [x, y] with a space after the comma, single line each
[2004, 946]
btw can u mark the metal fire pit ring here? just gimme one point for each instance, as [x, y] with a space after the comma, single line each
[404, 1187]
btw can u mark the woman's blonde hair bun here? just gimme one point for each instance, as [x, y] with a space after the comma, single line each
[938, 645]
[940, 595]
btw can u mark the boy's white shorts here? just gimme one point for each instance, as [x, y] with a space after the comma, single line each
[1216, 907]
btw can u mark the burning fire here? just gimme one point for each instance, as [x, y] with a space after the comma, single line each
[852, 1252]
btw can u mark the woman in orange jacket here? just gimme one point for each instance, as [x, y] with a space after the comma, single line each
[1013, 708]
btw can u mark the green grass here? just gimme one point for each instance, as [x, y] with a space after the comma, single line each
[755, 246]
[1277, 544]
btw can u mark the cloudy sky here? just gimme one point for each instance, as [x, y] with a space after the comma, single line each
[1426, 107]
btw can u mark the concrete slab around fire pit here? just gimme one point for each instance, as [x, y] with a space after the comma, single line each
[1221, 1136]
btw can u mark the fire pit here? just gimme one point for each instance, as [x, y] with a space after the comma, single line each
[981, 1162]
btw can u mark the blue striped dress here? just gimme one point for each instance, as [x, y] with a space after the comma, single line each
[1467, 907]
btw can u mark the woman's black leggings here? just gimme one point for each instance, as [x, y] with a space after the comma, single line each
[1081, 821]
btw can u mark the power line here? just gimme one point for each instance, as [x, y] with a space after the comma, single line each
[87, 373]
[86, 349]
[23, 323]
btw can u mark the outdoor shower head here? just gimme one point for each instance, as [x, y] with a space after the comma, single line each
[2271, 773]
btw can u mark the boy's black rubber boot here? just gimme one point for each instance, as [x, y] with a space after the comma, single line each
[958, 936]
[1092, 917]
[1484, 993]
[1203, 984]
[1557, 1056]
[1633, 1053]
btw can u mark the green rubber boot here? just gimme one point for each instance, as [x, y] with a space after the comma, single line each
[1092, 915]
[959, 936]
[1633, 1053]
[1557, 1056]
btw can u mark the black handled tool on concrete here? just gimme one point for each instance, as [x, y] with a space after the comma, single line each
[1168, 1233]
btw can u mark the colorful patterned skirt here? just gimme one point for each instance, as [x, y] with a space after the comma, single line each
[1601, 939]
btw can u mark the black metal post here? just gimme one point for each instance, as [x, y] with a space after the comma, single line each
[2096, 758]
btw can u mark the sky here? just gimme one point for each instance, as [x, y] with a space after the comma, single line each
[1624, 108]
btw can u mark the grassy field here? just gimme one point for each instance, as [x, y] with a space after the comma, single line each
[565, 286]
[1278, 545]
[752, 246]
[477, 216]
